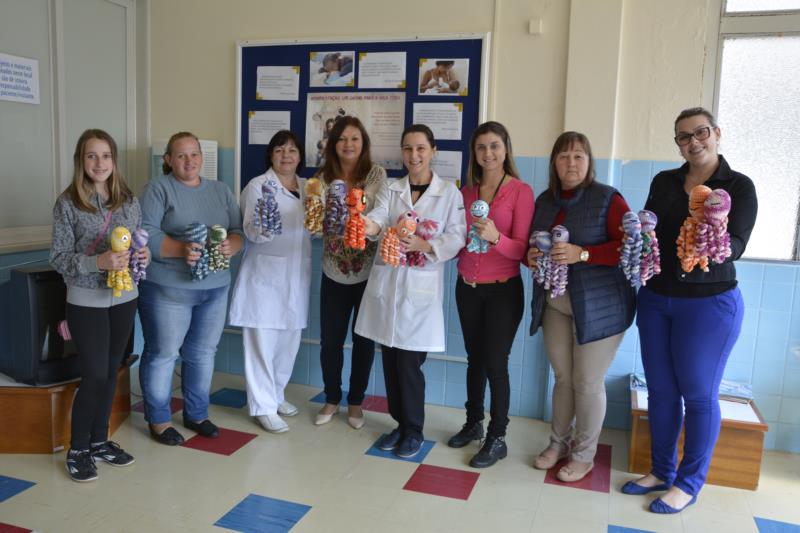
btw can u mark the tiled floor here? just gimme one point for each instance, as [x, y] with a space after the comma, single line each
[321, 479]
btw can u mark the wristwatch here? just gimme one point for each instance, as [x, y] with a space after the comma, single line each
[584, 255]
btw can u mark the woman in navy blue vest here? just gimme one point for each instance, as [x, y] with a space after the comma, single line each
[689, 321]
[583, 327]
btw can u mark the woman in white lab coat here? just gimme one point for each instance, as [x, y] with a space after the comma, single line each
[270, 299]
[402, 306]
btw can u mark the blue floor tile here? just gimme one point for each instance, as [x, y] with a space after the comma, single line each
[620, 529]
[259, 514]
[773, 526]
[10, 486]
[229, 398]
[427, 446]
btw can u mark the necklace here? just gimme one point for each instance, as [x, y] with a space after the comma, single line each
[499, 184]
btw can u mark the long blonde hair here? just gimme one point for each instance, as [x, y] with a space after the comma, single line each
[81, 189]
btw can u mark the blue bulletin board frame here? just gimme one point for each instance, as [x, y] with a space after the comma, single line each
[249, 159]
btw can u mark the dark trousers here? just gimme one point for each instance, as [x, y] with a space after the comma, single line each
[405, 388]
[490, 315]
[337, 302]
[101, 335]
[685, 346]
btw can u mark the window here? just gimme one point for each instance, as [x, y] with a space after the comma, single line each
[757, 90]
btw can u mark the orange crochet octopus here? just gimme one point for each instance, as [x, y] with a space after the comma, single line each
[392, 251]
[354, 234]
[690, 243]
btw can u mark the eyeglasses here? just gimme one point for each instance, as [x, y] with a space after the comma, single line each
[701, 134]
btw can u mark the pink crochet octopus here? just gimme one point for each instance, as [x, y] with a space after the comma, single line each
[718, 244]
[426, 229]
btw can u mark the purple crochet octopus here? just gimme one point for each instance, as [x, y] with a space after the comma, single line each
[718, 240]
[558, 277]
[631, 252]
[542, 241]
[266, 214]
[651, 255]
[138, 241]
[335, 209]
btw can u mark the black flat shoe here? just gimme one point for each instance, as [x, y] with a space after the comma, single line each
[493, 449]
[469, 432]
[205, 428]
[169, 436]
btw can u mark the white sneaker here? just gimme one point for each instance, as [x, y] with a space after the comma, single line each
[287, 409]
[273, 423]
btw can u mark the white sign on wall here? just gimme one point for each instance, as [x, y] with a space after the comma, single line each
[19, 79]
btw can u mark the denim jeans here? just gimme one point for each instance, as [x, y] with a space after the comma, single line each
[185, 322]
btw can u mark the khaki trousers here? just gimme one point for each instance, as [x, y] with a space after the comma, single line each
[579, 394]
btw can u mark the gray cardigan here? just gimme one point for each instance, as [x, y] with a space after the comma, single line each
[73, 231]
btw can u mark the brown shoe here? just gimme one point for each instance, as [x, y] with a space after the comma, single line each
[548, 458]
[574, 471]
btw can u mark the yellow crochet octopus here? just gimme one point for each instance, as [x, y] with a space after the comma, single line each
[120, 280]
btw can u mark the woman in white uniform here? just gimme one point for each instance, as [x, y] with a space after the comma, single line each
[270, 299]
[402, 307]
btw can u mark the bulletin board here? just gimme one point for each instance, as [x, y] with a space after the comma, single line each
[306, 84]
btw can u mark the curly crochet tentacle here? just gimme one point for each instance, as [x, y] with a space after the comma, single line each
[631, 252]
[335, 209]
[558, 273]
[216, 260]
[139, 240]
[197, 233]
[266, 214]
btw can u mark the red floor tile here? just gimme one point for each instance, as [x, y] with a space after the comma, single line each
[377, 404]
[228, 442]
[598, 480]
[440, 481]
[175, 405]
[8, 528]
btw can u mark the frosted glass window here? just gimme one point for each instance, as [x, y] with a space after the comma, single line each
[760, 119]
[755, 6]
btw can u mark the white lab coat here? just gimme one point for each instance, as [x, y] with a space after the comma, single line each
[274, 281]
[403, 307]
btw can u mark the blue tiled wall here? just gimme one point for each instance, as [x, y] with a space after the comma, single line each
[767, 354]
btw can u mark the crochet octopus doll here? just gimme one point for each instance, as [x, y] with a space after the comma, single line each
[354, 233]
[313, 206]
[197, 233]
[120, 280]
[717, 206]
[558, 273]
[426, 229]
[139, 240]
[392, 248]
[217, 261]
[335, 209]
[693, 238]
[266, 214]
[651, 255]
[542, 241]
[631, 252]
[478, 209]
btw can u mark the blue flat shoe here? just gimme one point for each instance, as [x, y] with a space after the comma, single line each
[631, 487]
[658, 506]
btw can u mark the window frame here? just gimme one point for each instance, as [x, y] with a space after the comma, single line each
[750, 24]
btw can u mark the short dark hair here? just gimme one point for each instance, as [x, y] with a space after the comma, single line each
[332, 168]
[474, 170]
[564, 142]
[445, 63]
[279, 139]
[693, 112]
[419, 128]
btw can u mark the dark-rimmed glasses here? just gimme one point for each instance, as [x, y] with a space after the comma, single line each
[701, 134]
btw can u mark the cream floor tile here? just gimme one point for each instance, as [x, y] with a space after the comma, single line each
[566, 523]
[351, 493]
[381, 472]
[724, 500]
[701, 519]
[632, 511]
[566, 501]
[415, 508]
[507, 521]
[334, 517]
[513, 494]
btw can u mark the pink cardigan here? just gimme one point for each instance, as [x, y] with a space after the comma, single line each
[512, 214]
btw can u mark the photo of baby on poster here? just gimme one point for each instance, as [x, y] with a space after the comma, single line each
[443, 77]
[332, 69]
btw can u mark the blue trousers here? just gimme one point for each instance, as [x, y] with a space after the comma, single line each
[685, 345]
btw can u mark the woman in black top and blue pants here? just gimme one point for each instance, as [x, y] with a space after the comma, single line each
[689, 321]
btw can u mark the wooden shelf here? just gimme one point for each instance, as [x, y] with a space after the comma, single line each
[37, 419]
